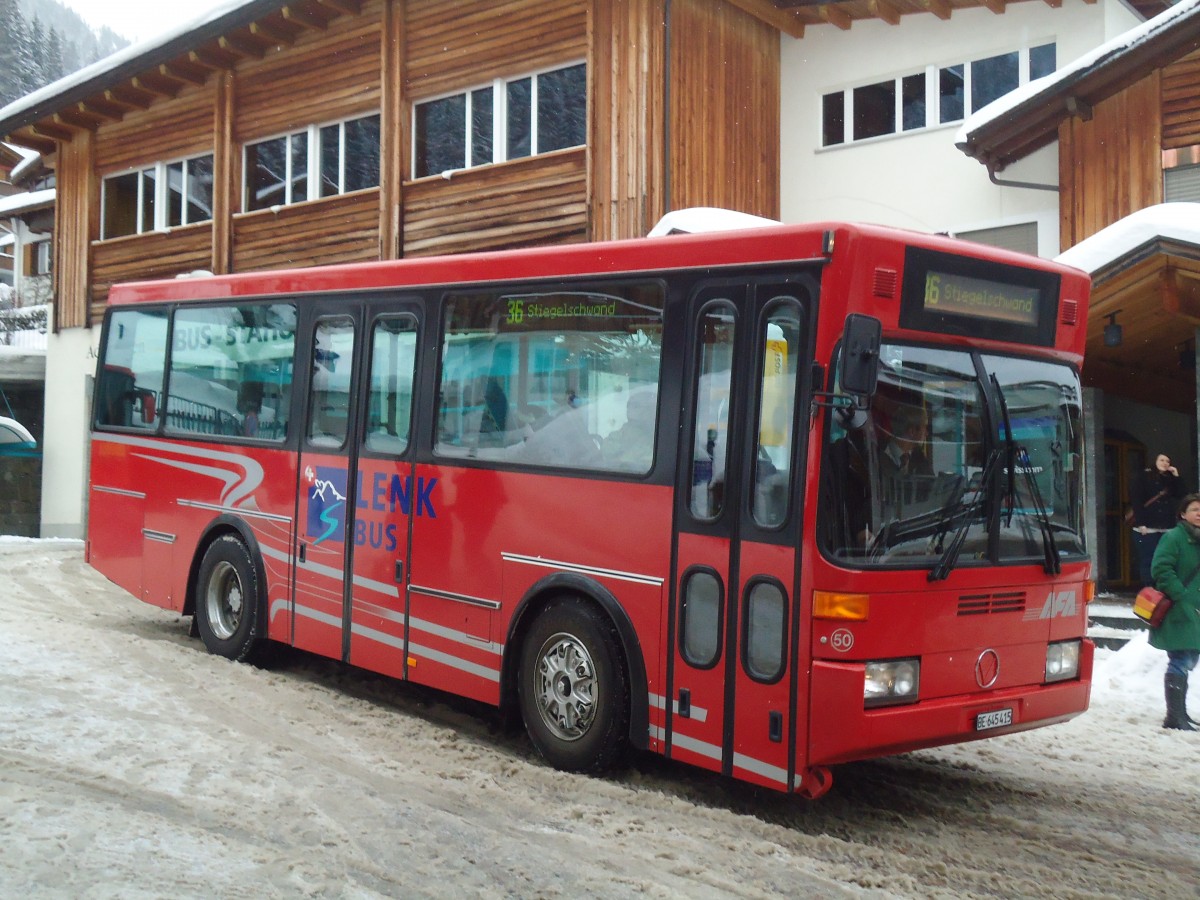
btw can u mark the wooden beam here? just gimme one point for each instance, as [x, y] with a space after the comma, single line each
[883, 9]
[26, 137]
[766, 11]
[996, 6]
[245, 46]
[306, 17]
[1054, 4]
[103, 109]
[82, 118]
[940, 8]
[276, 33]
[214, 58]
[835, 15]
[184, 71]
[345, 7]
[158, 84]
[51, 128]
[130, 95]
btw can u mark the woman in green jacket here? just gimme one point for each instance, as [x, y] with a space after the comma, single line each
[1175, 567]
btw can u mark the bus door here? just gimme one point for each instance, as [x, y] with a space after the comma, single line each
[734, 630]
[326, 493]
[388, 495]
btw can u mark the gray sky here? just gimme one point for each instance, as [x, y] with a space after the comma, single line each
[141, 19]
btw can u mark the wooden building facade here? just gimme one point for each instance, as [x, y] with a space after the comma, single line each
[682, 109]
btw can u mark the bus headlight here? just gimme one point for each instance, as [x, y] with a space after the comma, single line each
[1062, 661]
[891, 681]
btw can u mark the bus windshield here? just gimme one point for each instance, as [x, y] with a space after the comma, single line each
[958, 458]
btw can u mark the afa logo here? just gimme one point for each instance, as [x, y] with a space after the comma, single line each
[326, 505]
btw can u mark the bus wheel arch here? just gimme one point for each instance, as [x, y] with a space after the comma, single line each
[577, 598]
[228, 565]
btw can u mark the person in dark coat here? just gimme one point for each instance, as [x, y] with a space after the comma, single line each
[1176, 567]
[1155, 495]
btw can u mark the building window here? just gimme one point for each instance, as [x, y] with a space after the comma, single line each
[937, 95]
[318, 161]
[1022, 238]
[508, 119]
[157, 196]
[1181, 175]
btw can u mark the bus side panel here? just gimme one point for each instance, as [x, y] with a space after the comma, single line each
[116, 510]
[483, 538]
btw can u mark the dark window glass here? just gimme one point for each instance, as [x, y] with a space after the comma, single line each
[913, 101]
[331, 160]
[700, 619]
[441, 139]
[362, 153]
[562, 109]
[199, 189]
[520, 118]
[482, 127]
[232, 370]
[266, 173]
[993, 77]
[129, 385]
[1042, 61]
[711, 448]
[329, 393]
[299, 145]
[833, 119]
[175, 190]
[766, 620]
[120, 205]
[951, 94]
[874, 110]
[393, 361]
[148, 199]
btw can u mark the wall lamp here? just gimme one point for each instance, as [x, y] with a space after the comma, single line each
[1112, 331]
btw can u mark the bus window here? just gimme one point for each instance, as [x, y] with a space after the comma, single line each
[765, 630]
[231, 370]
[130, 381]
[777, 404]
[556, 378]
[393, 360]
[329, 392]
[710, 447]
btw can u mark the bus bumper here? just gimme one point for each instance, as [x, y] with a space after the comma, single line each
[841, 730]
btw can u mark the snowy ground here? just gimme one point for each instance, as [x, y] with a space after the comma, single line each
[133, 765]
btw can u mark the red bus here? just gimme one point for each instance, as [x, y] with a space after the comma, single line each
[764, 501]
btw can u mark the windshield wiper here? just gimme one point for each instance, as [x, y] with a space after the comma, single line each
[946, 564]
[1020, 456]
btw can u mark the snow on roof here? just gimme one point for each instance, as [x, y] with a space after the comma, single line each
[111, 63]
[1113, 49]
[27, 202]
[1173, 221]
[32, 159]
[701, 219]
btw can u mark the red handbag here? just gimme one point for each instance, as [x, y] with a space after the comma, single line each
[1151, 606]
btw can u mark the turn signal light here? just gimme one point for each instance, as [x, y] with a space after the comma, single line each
[836, 605]
[1089, 592]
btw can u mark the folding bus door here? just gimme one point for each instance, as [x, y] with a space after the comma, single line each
[387, 493]
[327, 493]
[733, 676]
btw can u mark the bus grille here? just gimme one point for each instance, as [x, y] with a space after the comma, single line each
[885, 283]
[986, 604]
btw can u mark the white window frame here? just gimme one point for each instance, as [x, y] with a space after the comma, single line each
[933, 103]
[161, 188]
[499, 88]
[312, 135]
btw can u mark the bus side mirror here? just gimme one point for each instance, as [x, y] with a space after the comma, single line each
[860, 355]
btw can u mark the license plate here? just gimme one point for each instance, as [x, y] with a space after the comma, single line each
[995, 719]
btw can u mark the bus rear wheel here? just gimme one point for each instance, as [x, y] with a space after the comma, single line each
[573, 688]
[227, 607]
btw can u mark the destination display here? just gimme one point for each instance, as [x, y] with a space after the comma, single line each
[981, 298]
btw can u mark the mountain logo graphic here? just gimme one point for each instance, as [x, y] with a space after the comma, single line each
[326, 520]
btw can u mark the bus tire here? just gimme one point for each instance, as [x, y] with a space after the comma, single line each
[227, 608]
[572, 687]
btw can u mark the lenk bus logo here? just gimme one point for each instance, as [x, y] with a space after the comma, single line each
[326, 504]
[1058, 604]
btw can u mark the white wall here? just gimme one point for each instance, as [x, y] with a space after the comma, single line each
[920, 180]
[70, 366]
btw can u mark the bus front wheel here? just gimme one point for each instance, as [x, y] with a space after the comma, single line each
[573, 689]
[227, 595]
